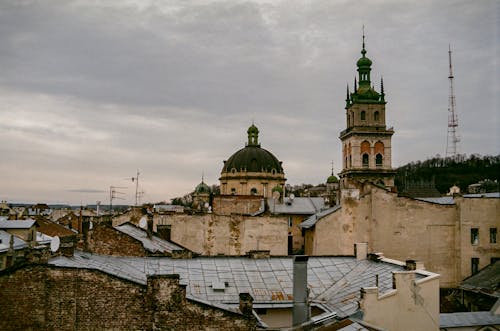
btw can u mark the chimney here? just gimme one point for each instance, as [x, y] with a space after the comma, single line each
[361, 251]
[149, 229]
[300, 292]
[246, 304]
[414, 265]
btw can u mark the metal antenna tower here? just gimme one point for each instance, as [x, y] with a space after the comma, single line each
[137, 194]
[453, 139]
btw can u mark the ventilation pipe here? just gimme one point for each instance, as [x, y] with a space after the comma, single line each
[300, 292]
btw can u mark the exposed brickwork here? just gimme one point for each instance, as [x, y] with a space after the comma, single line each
[104, 239]
[236, 204]
[50, 298]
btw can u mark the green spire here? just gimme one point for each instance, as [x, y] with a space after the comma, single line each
[347, 98]
[253, 136]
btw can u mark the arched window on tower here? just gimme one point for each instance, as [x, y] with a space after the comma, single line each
[253, 191]
[378, 160]
[363, 115]
[365, 160]
[376, 116]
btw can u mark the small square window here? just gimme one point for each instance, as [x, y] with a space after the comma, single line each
[290, 222]
[493, 235]
[474, 236]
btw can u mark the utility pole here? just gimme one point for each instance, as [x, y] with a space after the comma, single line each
[452, 139]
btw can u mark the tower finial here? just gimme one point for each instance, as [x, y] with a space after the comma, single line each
[382, 94]
[202, 176]
[347, 98]
[355, 85]
[332, 167]
[363, 51]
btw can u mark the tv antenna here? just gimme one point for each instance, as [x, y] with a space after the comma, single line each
[114, 194]
[452, 139]
[137, 193]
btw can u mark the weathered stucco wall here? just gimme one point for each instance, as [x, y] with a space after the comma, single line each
[411, 306]
[483, 214]
[212, 234]
[49, 298]
[401, 228]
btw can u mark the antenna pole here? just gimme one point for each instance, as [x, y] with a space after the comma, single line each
[452, 139]
[136, 186]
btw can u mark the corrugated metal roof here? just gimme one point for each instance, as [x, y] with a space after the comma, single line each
[153, 244]
[478, 318]
[334, 282]
[18, 224]
[296, 206]
[5, 242]
[311, 221]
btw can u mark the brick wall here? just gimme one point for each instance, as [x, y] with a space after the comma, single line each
[41, 297]
[104, 239]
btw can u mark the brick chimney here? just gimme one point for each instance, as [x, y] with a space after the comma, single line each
[246, 304]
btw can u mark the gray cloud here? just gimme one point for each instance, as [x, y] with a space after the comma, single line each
[90, 92]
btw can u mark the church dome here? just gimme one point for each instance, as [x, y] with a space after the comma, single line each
[252, 159]
[202, 188]
[332, 179]
[364, 62]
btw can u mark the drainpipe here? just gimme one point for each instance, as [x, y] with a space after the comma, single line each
[300, 292]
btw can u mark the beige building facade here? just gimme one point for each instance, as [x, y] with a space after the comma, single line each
[438, 234]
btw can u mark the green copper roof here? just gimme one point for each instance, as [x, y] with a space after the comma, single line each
[202, 188]
[332, 179]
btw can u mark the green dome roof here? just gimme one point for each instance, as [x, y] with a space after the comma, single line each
[252, 159]
[332, 179]
[364, 62]
[202, 188]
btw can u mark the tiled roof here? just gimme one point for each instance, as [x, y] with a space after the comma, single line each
[477, 318]
[153, 244]
[296, 206]
[311, 221]
[5, 242]
[23, 224]
[334, 282]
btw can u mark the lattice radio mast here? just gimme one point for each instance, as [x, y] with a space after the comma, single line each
[453, 139]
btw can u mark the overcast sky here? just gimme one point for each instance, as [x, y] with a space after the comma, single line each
[91, 91]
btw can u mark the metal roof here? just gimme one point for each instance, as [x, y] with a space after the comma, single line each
[23, 224]
[486, 281]
[334, 282]
[447, 200]
[483, 195]
[296, 206]
[153, 244]
[311, 221]
[5, 242]
[476, 318]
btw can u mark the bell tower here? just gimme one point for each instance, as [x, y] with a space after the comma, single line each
[366, 141]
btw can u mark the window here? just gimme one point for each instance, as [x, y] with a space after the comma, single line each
[494, 259]
[474, 236]
[474, 265]
[378, 160]
[233, 191]
[365, 160]
[290, 222]
[493, 235]
[253, 191]
[363, 115]
[376, 116]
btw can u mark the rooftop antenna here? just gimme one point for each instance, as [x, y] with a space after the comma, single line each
[113, 194]
[136, 179]
[453, 139]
